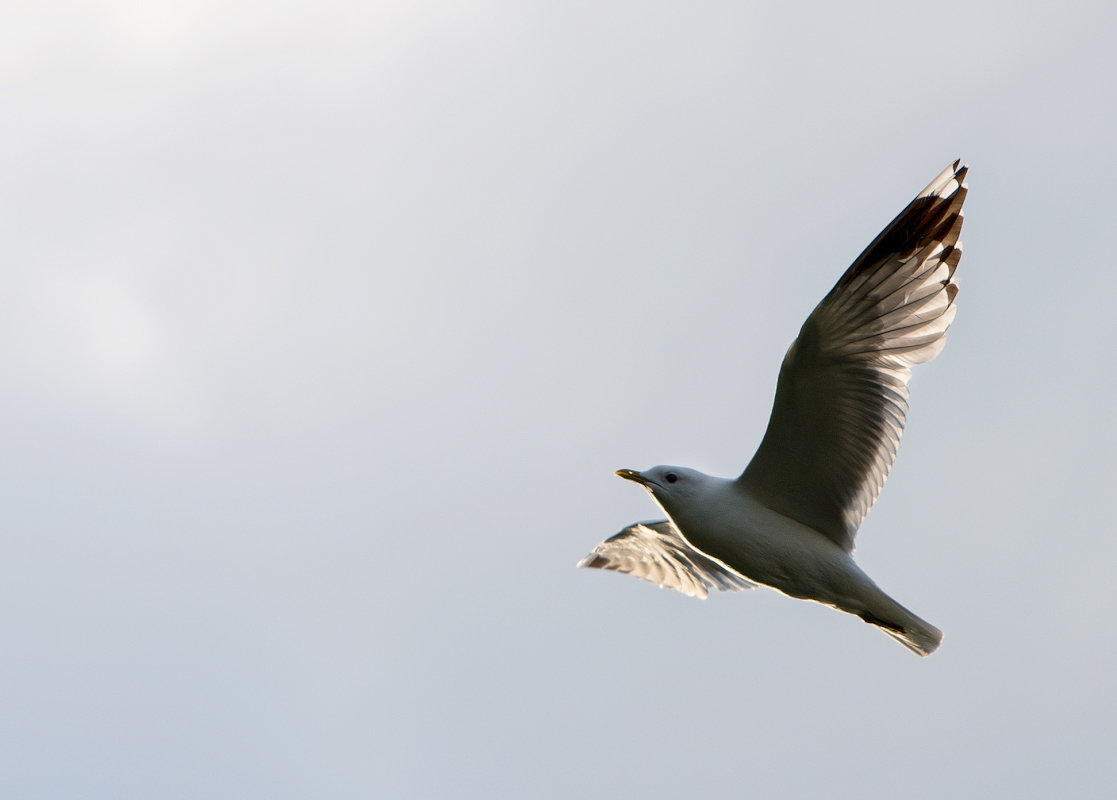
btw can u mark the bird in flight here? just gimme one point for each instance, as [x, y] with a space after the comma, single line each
[789, 520]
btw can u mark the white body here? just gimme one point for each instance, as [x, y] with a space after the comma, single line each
[721, 519]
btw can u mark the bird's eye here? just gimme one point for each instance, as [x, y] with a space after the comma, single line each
[670, 477]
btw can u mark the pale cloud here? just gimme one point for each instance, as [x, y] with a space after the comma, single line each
[98, 338]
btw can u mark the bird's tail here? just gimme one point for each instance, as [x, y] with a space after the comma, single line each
[916, 634]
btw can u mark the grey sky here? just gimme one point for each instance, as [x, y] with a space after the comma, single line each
[323, 330]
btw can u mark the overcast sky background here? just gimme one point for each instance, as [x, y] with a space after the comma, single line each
[324, 326]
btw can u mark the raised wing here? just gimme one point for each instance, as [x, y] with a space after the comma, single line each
[842, 396]
[655, 552]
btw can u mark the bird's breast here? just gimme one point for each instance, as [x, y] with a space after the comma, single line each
[764, 546]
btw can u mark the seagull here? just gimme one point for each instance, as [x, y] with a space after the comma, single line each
[788, 521]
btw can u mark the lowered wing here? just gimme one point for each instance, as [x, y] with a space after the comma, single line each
[655, 552]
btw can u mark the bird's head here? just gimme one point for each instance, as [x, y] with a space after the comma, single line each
[668, 485]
